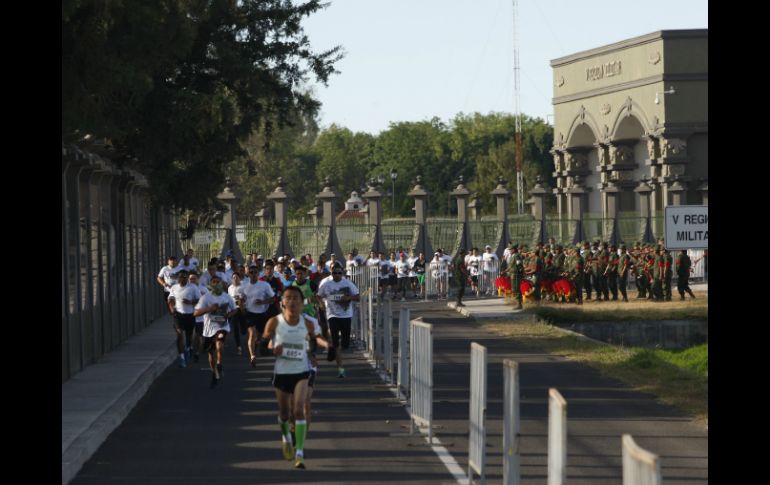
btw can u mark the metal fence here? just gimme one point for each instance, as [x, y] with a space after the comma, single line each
[402, 381]
[477, 439]
[488, 272]
[309, 240]
[114, 242]
[444, 234]
[387, 339]
[640, 467]
[511, 424]
[355, 236]
[437, 280]
[398, 233]
[261, 240]
[421, 376]
[557, 438]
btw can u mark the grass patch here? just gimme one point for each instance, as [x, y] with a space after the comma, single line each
[592, 310]
[678, 378]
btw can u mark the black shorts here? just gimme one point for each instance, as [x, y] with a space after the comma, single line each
[256, 320]
[199, 328]
[340, 326]
[184, 321]
[287, 382]
[209, 343]
[475, 279]
[392, 279]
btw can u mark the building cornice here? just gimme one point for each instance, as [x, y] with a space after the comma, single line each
[700, 76]
[625, 44]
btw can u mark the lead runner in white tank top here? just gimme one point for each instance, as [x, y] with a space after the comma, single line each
[294, 339]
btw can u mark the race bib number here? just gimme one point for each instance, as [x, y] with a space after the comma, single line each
[293, 351]
[220, 319]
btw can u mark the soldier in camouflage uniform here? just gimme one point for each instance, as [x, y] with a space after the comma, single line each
[537, 272]
[624, 265]
[588, 257]
[516, 272]
[611, 272]
[637, 264]
[657, 287]
[668, 273]
[650, 261]
[600, 278]
[577, 272]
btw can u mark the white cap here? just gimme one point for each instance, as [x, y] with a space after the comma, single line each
[488, 247]
[259, 256]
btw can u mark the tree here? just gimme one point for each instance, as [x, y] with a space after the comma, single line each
[176, 86]
[343, 157]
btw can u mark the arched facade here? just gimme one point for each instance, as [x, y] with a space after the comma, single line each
[627, 112]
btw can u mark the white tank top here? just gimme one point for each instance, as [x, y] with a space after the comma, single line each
[294, 339]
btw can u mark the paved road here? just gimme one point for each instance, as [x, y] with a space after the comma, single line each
[183, 432]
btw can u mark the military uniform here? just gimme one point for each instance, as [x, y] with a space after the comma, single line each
[612, 271]
[668, 274]
[516, 272]
[657, 287]
[600, 278]
[577, 272]
[624, 264]
[588, 258]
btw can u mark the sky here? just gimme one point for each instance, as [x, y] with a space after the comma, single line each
[411, 60]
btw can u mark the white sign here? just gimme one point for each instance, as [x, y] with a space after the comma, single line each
[203, 238]
[240, 234]
[687, 227]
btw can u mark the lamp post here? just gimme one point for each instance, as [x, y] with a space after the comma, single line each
[393, 175]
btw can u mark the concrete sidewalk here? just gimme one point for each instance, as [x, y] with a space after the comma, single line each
[95, 401]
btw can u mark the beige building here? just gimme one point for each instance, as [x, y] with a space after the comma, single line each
[630, 111]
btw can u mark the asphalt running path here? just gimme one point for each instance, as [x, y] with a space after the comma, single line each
[183, 432]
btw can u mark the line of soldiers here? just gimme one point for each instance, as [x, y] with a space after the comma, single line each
[602, 268]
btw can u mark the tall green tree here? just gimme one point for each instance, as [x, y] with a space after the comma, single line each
[343, 157]
[177, 86]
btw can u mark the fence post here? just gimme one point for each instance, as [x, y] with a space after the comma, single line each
[511, 424]
[403, 351]
[557, 438]
[421, 376]
[640, 467]
[477, 439]
[387, 339]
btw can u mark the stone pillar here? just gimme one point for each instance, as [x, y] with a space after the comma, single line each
[475, 208]
[577, 195]
[374, 215]
[280, 199]
[464, 238]
[263, 214]
[502, 196]
[704, 191]
[678, 191]
[613, 208]
[314, 214]
[328, 197]
[645, 208]
[538, 194]
[420, 217]
[230, 199]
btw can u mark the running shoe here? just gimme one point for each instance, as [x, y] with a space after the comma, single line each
[254, 362]
[238, 351]
[182, 362]
[341, 373]
[187, 353]
[214, 380]
[288, 450]
[299, 462]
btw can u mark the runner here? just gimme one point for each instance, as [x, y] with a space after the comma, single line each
[289, 333]
[337, 293]
[181, 304]
[257, 296]
[216, 307]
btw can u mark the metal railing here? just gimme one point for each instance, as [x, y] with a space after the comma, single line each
[387, 339]
[557, 438]
[402, 381]
[488, 273]
[511, 424]
[640, 467]
[437, 280]
[421, 376]
[477, 439]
